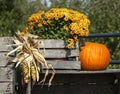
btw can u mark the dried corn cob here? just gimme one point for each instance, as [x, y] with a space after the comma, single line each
[25, 71]
[33, 72]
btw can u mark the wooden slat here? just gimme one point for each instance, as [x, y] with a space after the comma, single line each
[46, 43]
[6, 74]
[65, 65]
[60, 53]
[4, 60]
[4, 42]
[54, 43]
[100, 71]
[108, 71]
[90, 72]
[6, 88]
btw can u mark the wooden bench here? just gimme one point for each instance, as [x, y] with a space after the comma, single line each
[69, 78]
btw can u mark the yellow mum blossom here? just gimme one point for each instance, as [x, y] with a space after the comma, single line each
[25, 30]
[66, 27]
[75, 38]
[44, 22]
[70, 40]
[72, 32]
[66, 18]
[39, 25]
[71, 44]
[49, 15]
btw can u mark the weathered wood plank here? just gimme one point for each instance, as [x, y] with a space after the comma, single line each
[108, 71]
[100, 71]
[4, 42]
[54, 43]
[6, 74]
[46, 43]
[4, 60]
[6, 88]
[65, 64]
[60, 53]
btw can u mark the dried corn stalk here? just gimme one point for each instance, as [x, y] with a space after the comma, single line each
[29, 57]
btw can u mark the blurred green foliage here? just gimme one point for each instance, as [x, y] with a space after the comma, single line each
[103, 14]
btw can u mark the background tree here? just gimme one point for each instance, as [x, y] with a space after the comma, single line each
[6, 17]
[105, 17]
[14, 14]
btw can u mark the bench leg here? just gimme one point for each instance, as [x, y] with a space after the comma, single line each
[28, 90]
[118, 77]
[118, 86]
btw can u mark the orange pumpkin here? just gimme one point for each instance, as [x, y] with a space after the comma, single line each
[94, 56]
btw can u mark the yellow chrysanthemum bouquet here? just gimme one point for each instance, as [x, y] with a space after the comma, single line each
[59, 23]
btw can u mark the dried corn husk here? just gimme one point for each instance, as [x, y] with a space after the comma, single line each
[29, 57]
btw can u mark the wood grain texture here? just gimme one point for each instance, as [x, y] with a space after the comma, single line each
[57, 49]
[70, 65]
[60, 53]
[4, 60]
[54, 43]
[6, 88]
[4, 42]
[108, 71]
[6, 74]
